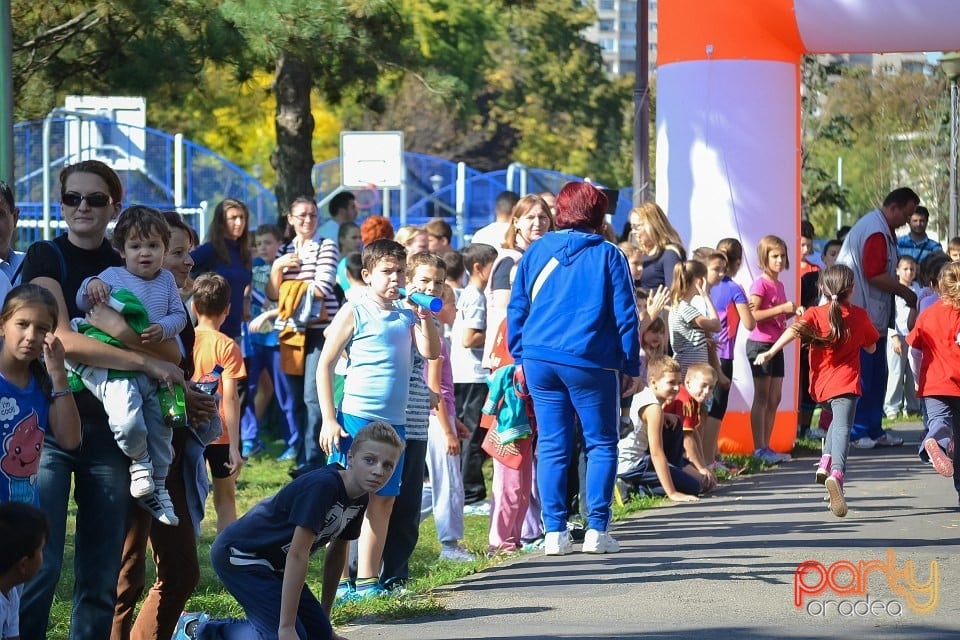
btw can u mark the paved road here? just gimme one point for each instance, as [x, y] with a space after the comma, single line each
[725, 567]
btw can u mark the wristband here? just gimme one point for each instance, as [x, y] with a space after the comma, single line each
[59, 394]
[423, 316]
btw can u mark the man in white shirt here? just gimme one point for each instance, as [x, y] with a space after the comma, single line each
[493, 233]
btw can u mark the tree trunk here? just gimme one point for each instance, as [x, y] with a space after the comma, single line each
[293, 157]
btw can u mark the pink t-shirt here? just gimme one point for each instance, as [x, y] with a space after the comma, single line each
[771, 295]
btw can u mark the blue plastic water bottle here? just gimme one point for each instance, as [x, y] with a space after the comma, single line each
[209, 382]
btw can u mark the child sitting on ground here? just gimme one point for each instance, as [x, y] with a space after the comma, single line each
[24, 530]
[651, 457]
[262, 558]
[697, 386]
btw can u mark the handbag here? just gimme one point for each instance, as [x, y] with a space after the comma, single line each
[509, 455]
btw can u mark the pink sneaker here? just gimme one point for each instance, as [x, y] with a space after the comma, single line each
[823, 468]
[834, 484]
[940, 460]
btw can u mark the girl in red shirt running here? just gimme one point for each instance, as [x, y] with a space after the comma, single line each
[937, 336]
[835, 331]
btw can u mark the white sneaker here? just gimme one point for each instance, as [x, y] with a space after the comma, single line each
[557, 543]
[456, 554]
[599, 542]
[141, 478]
[864, 443]
[160, 507]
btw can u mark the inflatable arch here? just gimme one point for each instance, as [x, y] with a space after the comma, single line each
[728, 126]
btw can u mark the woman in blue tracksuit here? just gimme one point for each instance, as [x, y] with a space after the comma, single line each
[572, 324]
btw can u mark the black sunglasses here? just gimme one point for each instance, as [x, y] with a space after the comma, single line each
[72, 199]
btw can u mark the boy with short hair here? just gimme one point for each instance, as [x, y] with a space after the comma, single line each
[901, 388]
[379, 335]
[211, 303]
[651, 456]
[262, 558]
[953, 249]
[264, 354]
[456, 268]
[146, 295]
[697, 386]
[466, 356]
[24, 530]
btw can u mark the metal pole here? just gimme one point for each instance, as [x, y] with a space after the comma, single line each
[461, 198]
[178, 171]
[641, 108]
[952, 222]
[45, 142]
[839, 184]
[6, 93]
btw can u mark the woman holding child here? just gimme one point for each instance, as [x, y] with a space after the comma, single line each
[312, 264]
[90, 196]
[572, 292]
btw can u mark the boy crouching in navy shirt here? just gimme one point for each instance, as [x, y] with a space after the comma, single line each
[262, 558]
[651, 457]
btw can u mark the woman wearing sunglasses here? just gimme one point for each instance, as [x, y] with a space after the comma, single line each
[90, 197]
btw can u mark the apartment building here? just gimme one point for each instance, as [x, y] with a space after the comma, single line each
[616, 33]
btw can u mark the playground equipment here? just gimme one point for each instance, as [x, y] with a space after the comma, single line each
[728, 125]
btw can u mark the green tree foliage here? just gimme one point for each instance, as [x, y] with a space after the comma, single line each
[890, 129]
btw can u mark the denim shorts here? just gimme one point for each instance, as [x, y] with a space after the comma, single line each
[352, 425]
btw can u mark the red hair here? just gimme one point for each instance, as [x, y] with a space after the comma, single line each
[375, 228]
[580, 205]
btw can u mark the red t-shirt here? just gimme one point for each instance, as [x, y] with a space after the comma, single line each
[687, 408]
[936, 335]
[875, 255]
[835, 369]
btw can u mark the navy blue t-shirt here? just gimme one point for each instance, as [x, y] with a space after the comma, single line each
[316, 500]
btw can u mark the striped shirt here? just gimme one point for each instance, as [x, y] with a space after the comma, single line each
[318, 264]
[160, 297]
[418, 403]
[689, 341]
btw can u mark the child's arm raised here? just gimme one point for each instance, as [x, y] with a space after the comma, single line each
[294, 577]
[711, 321]
[653, 417]
[426, 336]
[64, 419]
[788, 336]
[338, 336]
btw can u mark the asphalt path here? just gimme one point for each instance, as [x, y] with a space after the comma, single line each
[727, 566]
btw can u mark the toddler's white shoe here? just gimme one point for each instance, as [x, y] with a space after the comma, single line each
[160, 506]
[141, 478]
[599, 542]
[557, 543]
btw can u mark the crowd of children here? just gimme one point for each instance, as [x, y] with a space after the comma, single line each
[416, 388]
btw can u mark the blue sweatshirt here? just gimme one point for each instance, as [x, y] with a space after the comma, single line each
[585, 313]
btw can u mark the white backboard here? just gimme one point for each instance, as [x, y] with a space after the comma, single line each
[371, 158]
[121, 143]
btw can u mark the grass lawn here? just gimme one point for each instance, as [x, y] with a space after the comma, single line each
[264, 477]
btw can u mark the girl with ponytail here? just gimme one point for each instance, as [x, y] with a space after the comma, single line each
[836, 332]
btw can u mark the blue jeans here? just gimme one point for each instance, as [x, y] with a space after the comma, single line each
[943, 420]
[267, 359]
[258, 590]
[837, 440]
[101, 477]
[868, 420]
[306, 418]
[560, 392]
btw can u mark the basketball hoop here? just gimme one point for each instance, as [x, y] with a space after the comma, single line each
[367, 198]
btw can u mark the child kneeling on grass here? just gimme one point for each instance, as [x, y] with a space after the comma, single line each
[262, 558]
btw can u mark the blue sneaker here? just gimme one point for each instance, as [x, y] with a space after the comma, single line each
[290, 453]
[251, 448]
[188, 625]
[353, 595]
